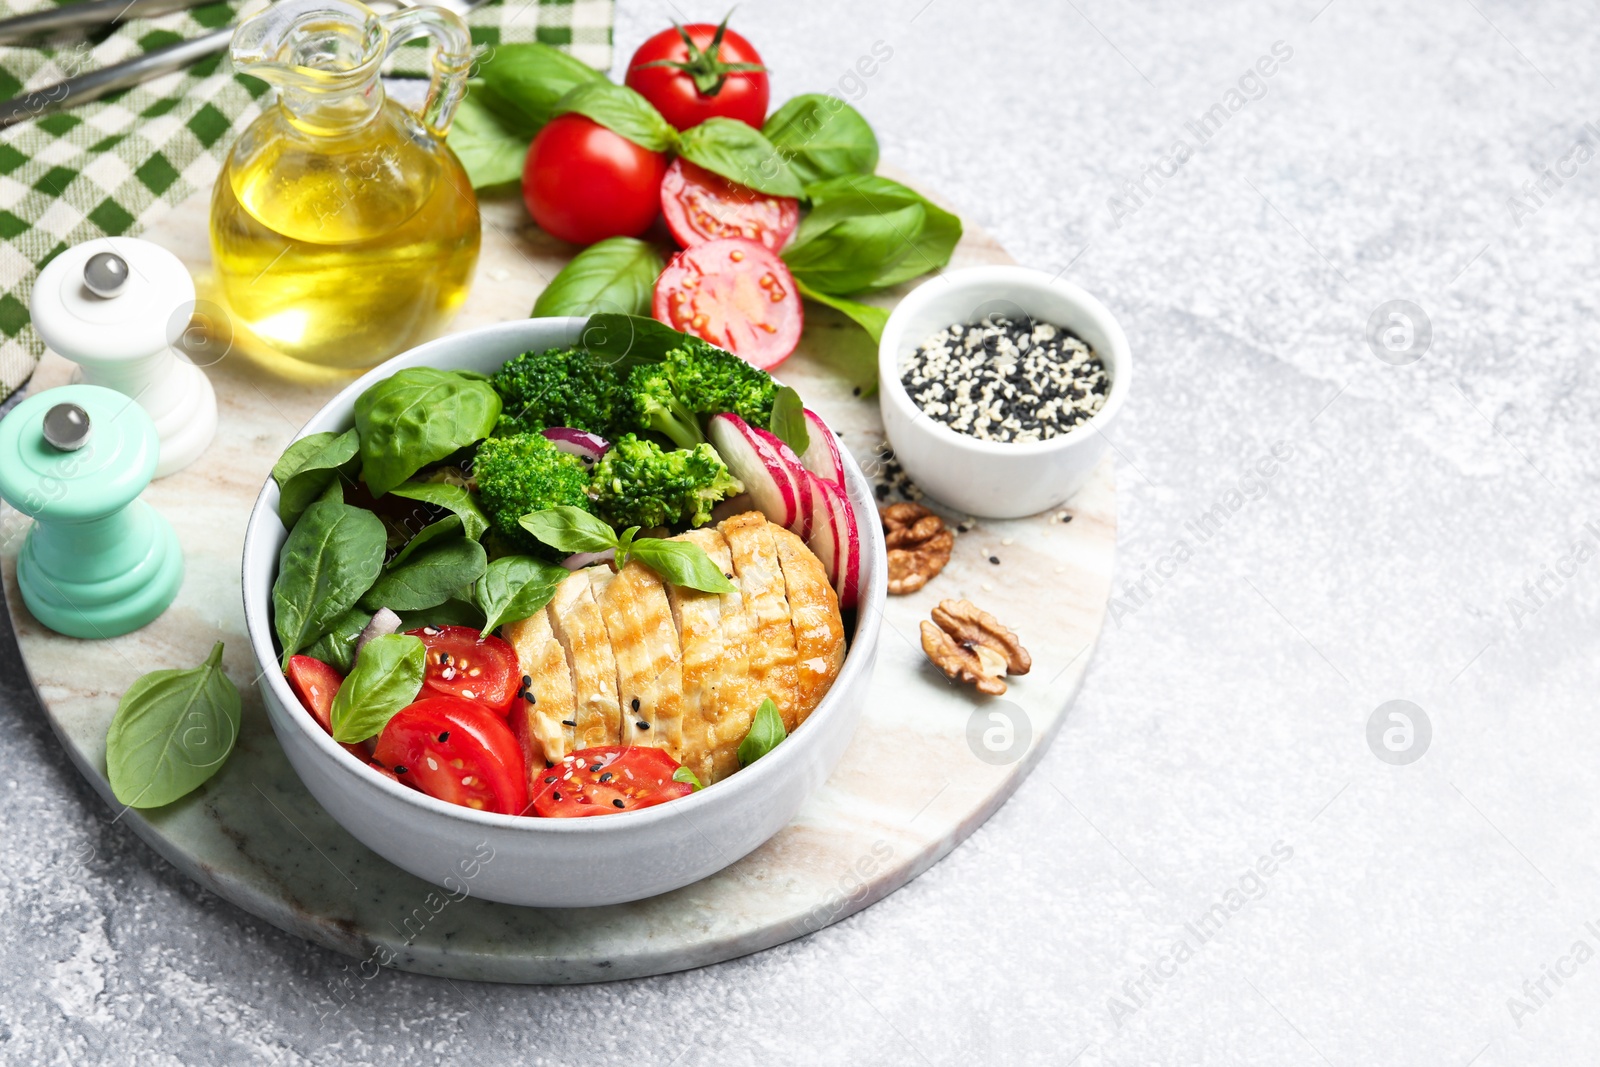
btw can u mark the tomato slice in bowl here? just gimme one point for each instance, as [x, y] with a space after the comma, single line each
[702, 206]
[316, 683]
[606, 780]
[462, 664]
[735, 293]
[457, 751]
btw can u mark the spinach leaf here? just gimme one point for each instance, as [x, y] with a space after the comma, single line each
[173, 729]
[429, 577]
[868, 316]
[332, 556]
[453, 612]
[617, 274]
[307, 466]
[515, 587]
[681, 563]
[522, 82]
[625, 341]
[490, 149]
[741, 154]
[417, 416]
[860, 235]
[454, 498]
[337, 647]
[570, 529]
[766, 732]
[789, 421]
[445, 527]
[822, 137]
[620, 110]
[387, 676]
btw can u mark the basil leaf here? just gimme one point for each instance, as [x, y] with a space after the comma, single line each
[847, 253]
[515, 587]
[522, 83]
[617, 274]
[822, 137]
[332, 556]
[453, 612]
[684, 774]
[789, 420]
[490, 149]
[387, 676]
[766, 733]
[620, 110]
[417, 416]
[445, 527]
[307, 466]
[868, 316]
[626, 341]
[173, 729]
[570, 529]
[741, 154]
[337, 647]
[428, 578]
[454, 498]
[681, 563]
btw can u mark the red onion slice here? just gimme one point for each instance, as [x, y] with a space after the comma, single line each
[586, 446]
[383, 622]
[580, 560]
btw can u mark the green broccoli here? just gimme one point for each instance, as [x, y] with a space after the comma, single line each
[636, 483]
[694, 382]
[557, 387]
[657, 406]
[524, 473]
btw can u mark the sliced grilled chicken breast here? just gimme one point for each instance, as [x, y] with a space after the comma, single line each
[770, 648]
[814, 614]
[649, 664]
[544, 723]
[700, 620]
[576, 622]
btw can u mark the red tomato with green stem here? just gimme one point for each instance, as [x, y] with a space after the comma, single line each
[701, 206]
[457, 751]
[460, 663]
[735, 293]
[693, 73]
[583, 183]
[606, 780]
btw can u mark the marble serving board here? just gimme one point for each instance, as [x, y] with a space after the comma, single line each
[929, 764]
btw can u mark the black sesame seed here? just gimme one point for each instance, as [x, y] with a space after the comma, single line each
[856, 391]
[527, 680]
[399, 769]
[618, 804]
[635, 703]
[568, 722]
[556, 795]
[642, 725]
[994, 559]
[606, 777]
[549, 781]
[444, 737]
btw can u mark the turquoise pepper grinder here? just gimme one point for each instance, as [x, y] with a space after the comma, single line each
[98, 561]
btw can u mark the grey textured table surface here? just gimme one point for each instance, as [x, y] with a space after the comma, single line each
[1425, 540]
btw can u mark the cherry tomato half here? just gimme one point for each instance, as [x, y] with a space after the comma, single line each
[701, 206]
[583, 183]
[457, 751]
[316, 683]
[672, 88]
[606, 780]
[735, 293]
[462, 664]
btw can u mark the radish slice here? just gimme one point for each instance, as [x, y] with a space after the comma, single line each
[587, 446]
[822, 455]
[824, 539]
[776, 450]
[579, 560]
[763, 471]
[838, 542]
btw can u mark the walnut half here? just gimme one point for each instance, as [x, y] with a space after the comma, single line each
[919, 546]
[971, 646]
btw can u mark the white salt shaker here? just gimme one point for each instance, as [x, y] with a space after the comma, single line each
[116, 307]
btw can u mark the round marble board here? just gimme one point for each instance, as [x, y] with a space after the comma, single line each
[910, 787]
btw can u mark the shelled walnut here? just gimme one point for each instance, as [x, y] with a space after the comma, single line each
[972, 646]
[919, 546]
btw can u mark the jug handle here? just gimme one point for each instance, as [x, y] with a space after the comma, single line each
[452, 58]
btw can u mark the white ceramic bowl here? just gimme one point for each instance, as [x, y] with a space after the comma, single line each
[991, 478]
[554, 862]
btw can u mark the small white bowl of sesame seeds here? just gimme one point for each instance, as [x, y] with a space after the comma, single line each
[997, 385]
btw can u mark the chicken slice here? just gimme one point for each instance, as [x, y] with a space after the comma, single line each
[576, 622]
[699, 618]
[649, 668]
[543, 720]
[814, 614]
[768, 638]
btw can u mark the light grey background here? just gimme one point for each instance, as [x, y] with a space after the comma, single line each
[1227, 710]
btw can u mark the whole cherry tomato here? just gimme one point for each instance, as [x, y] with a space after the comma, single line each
[693, 73]
[583, 183]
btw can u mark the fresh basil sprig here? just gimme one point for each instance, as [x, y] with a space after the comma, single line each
[741, 154]
[570, 529]
[387, 676]
[868, 316]
[428, 577]
[822, 137]
[788, 421]
[684, 774]
[307, 466]
[418, 416]
[621, 110]
[172, 731]
[521, 84]
[617, 274]
[515, 587]
[452, 498]
[866, 232]
[766, 733]
[491, 149]
[331, 557]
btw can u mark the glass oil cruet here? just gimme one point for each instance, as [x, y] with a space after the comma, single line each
[343, 230]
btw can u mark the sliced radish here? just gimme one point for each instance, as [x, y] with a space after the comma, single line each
[765, 475]
[822, 455]
[773, 445]
[838, 544]
[587, 446]
[824, 539]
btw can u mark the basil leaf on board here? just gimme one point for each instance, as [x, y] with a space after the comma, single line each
[681, 563]
[617, 274]
[445, 527]
[741, 154]
[387, 676]
[789, 420]
[766, 732]
[332, 556]
[515, 587]
[453, 498]
[522, 83]
[570, 529]
[822, 137]
[428, 578]
[684, 774]
[337, 647]
[417, 416]
[846, 253]
[868, 316]
[307, 466]
[173, 729]
[626, 341]
[622, 111]
[490, 149]
[453, 612]
[864, 196]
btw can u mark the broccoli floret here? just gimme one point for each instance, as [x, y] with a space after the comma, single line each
[657, 406]
[557, 387]
[525, 473]
[636, 483]
[694, 382]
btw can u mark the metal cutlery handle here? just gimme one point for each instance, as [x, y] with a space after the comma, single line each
[86, 14]
[97, 83]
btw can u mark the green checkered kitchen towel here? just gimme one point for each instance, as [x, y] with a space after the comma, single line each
[113, 166]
